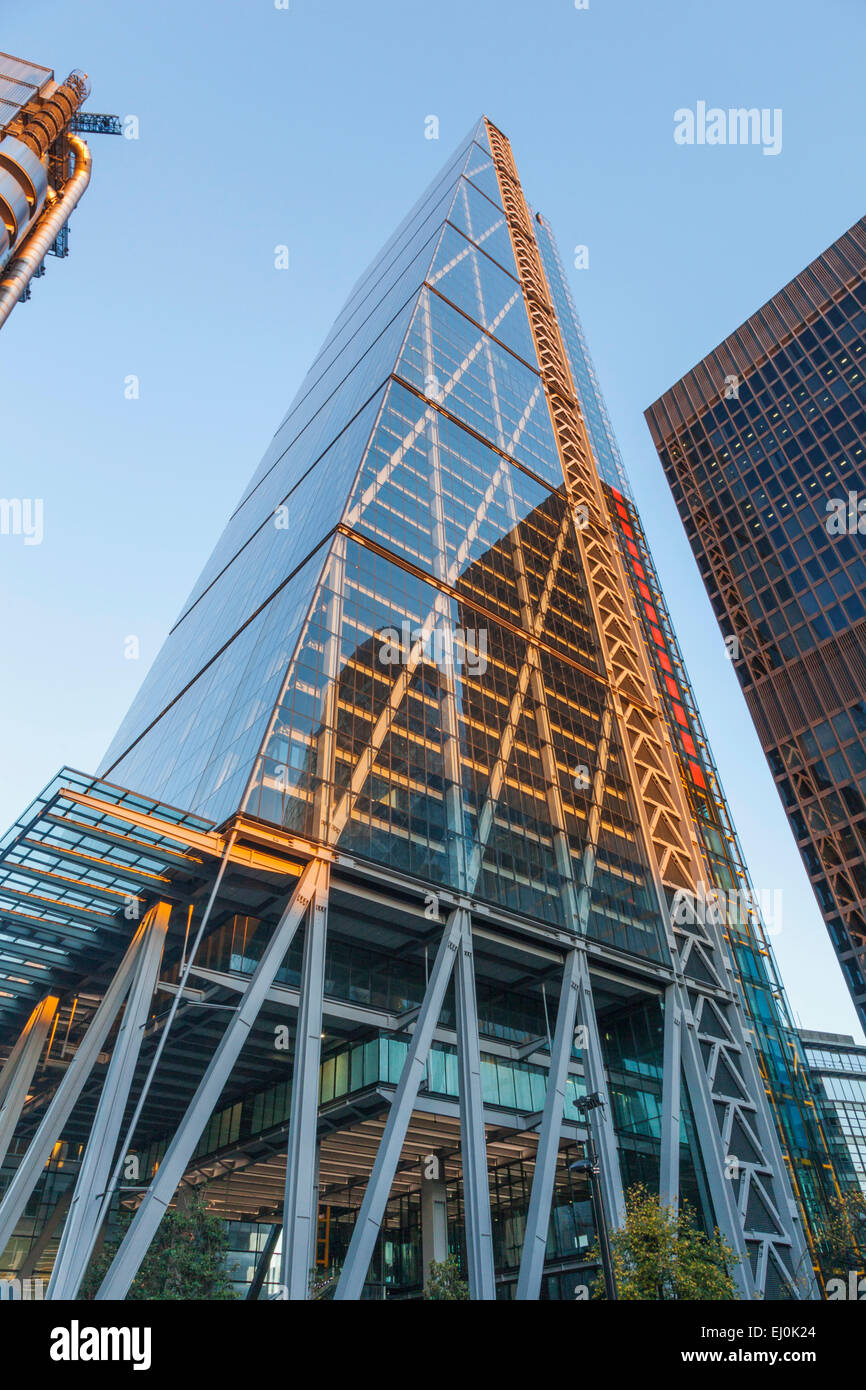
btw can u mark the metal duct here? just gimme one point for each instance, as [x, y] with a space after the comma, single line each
[23, 186]
[45, 121]
[32, 251]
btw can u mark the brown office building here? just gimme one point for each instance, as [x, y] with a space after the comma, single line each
[764, 446]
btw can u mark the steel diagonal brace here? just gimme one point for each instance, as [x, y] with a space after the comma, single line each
[137, 1240]
[63, 1101]
[21, 1064]
[83, 1223]
[378, 1190]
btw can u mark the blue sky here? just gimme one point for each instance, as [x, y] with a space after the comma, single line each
[306, 127]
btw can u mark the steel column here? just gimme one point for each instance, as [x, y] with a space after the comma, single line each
[83, 1222]
[137, 1240]
[34, 1160]
[369, 1220]
[473, 1143]
[601, 1118]
[538, 1217]
[22, 1062]
[669, 1173]
[299, 1214]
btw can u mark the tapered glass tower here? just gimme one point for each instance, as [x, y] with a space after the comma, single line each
[429, 665]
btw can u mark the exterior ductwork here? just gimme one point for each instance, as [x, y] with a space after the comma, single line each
[32, 251]
[23, 187]
[45, 123]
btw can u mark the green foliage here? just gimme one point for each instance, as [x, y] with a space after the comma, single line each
[660, 1254]
[186, 1259]
[445, 1282]
[842, 1234]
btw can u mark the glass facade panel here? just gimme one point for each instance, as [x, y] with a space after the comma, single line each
[454, 364]
[474, 283]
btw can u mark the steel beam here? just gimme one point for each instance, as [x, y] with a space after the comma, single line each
[473, 1144]
[538, 1217]
[299, 1209]
[22, 1062]
[669, 1174]
[372, 1210]
[53, 1121]
[84, 1220]
[136, 1242]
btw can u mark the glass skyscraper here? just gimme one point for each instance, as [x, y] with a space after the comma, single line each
[425, 708]
[764, 446]
[838, 1066]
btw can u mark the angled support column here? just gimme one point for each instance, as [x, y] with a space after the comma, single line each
[136, 1242]
[299, 1210]
[473, 1143]
[263, 1263]
[713, 1153]
[83, 1222]
[538, 1217]
[669, 1177]
[801, 1255]
[22, 1062]
[601, 1118]
[369, 1220]
[578, 904]
[34, 1160]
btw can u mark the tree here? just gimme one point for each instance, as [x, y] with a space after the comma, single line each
[444, 1281]
[660, 1254]
[186, 1259]
[842, 1234]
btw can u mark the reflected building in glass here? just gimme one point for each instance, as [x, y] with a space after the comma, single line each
[448, 803]
[764, 446]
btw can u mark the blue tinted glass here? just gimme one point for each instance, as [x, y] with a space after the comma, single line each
[484, 223]
[479, 169]
[481, 289]
[483, 384]
[201, 751]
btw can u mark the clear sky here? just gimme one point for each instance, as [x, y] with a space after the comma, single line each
[305, 126]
